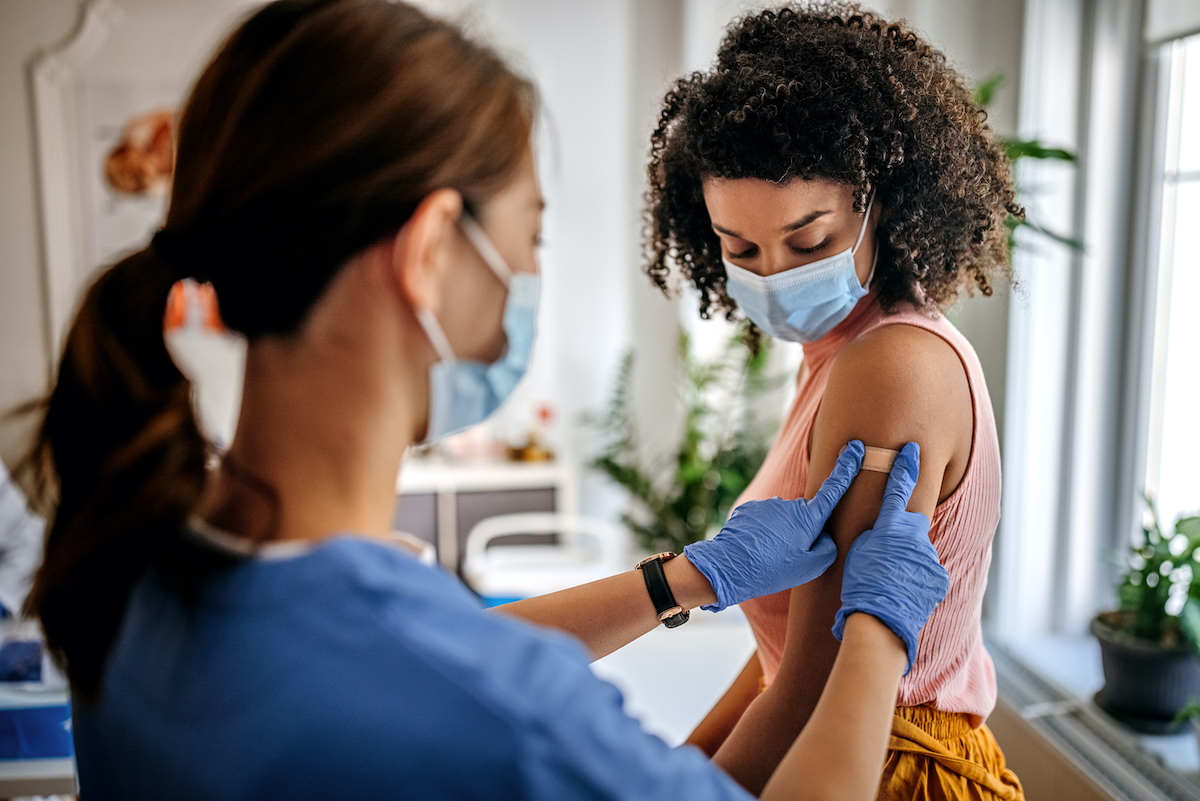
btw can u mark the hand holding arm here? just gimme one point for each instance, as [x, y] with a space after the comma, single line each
[775, 544]
[896, 552]
[766, 546]
[712, 732]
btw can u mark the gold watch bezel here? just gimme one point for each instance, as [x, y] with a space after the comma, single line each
[670, 613]
[665, 556]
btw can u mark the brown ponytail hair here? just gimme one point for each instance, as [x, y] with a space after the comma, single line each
[315, 132]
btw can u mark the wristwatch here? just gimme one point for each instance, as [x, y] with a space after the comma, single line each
[669, 612]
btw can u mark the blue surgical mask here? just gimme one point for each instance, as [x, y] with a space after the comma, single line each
[464, 392]
[807, 302]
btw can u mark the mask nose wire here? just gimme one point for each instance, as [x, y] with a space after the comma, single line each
[487, 250]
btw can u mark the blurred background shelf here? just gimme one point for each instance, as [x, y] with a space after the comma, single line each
[440, 501]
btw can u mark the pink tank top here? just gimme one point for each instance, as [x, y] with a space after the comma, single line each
[952, 671]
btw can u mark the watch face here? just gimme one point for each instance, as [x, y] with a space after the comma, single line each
[678, 620]
[667, 614]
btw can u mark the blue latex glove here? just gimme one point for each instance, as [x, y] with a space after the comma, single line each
[892, 571]
[776, 544]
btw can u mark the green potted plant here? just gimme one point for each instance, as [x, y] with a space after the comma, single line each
[1149, 645]
[678, 500]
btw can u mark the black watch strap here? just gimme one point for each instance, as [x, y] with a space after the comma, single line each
[669, 612]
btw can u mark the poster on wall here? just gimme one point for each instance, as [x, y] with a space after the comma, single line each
[128, 159]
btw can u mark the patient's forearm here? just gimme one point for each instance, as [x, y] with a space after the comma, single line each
[611, 613]
[762, 737]
[774, 720]
[840, 754]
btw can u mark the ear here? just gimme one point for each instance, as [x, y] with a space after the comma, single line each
[419, 249]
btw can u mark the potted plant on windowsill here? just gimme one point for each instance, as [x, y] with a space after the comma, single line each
[1149, 645]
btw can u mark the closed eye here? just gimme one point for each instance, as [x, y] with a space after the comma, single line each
[745, 254]
[813, 249]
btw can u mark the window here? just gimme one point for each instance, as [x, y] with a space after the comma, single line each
[1173, 435]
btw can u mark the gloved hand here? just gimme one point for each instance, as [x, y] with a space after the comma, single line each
[892, 571]
[776, 544]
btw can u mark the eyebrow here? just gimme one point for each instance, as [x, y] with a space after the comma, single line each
[787, 229]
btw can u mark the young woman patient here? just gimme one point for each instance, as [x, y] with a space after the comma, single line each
[831, 179]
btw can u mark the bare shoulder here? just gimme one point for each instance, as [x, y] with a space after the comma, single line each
[902, 358]
[896, 384]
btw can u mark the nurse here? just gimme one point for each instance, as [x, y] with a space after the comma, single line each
[356, 181]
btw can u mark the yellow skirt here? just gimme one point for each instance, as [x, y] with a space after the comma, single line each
[937, 756]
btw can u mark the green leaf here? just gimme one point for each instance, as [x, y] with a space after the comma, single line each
[1190, 710]
[1062, 239]
[1033, 149]
[1189, 527]
[1189, 623]
[1128, 596]
[985, 92]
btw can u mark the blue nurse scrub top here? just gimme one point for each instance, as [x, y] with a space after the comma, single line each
[353, 671]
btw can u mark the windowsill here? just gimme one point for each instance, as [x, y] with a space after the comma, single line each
[1073, 663]
[1069, 668]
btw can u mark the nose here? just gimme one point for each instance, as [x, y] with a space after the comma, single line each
[780, 261]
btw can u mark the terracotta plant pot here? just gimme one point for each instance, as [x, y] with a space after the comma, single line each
[1145, 683]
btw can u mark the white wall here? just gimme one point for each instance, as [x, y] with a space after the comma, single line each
[601, 68]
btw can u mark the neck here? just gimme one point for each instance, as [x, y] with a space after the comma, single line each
[326, 417]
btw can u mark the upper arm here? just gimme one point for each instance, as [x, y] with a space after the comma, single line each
[897, 384]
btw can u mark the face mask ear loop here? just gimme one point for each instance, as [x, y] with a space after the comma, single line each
[487, 250]
[862, 232]
[871, 276]
[866, 218]
[437, 337]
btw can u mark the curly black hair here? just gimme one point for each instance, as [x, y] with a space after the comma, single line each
[833, 91]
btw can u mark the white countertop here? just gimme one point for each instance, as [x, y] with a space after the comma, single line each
[436, 475]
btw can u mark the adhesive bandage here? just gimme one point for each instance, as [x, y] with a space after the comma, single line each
[879, 460]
